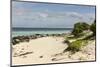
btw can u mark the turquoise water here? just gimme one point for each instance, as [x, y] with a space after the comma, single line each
[32, 31]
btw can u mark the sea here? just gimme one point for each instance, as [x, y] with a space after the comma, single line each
[32, 31]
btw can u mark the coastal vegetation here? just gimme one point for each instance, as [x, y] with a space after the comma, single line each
[79, 28]
[76, 45]
[80, 38]
[93, 28]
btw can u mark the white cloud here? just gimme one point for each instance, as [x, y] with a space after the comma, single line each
[50, 19]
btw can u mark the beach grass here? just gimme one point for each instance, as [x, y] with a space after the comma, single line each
[76, 45]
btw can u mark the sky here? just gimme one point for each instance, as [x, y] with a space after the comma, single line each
[44, 15]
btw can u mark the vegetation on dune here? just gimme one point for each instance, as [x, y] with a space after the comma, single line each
[82, 26]
[78, 31]
[93, 28]
[76, 45]
[79, 28]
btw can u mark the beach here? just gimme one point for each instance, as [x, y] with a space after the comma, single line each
[52, 33]
[49, 49]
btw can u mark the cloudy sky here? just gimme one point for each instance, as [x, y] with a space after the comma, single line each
[42, 15]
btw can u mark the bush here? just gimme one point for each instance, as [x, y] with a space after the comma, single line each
[93, 28]
[79, 28]
[76, 45]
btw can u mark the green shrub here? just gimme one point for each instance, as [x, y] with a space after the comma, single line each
[93, 28]
[76, 45]
[79, 28]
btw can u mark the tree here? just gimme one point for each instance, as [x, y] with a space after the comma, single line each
[79, 28]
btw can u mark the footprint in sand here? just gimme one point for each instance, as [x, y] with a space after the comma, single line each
[59, 54]
[41, 56]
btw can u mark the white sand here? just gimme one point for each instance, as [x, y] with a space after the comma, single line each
[47, 50]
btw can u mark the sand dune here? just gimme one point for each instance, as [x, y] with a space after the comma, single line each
[48, 50]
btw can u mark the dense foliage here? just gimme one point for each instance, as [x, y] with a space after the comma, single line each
[76, 45]
[77, 31]
[93, 28]
[79, 28]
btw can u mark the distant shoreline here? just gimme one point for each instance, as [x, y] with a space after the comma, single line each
[42, 31]
[27, 38]
[41, 28]
[17, 29]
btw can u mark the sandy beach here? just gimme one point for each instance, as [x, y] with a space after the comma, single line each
[43, 33]
[49, 50]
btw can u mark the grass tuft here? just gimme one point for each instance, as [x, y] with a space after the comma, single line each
[76, 45]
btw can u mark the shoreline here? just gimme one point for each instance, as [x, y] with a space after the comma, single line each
[19, 39]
